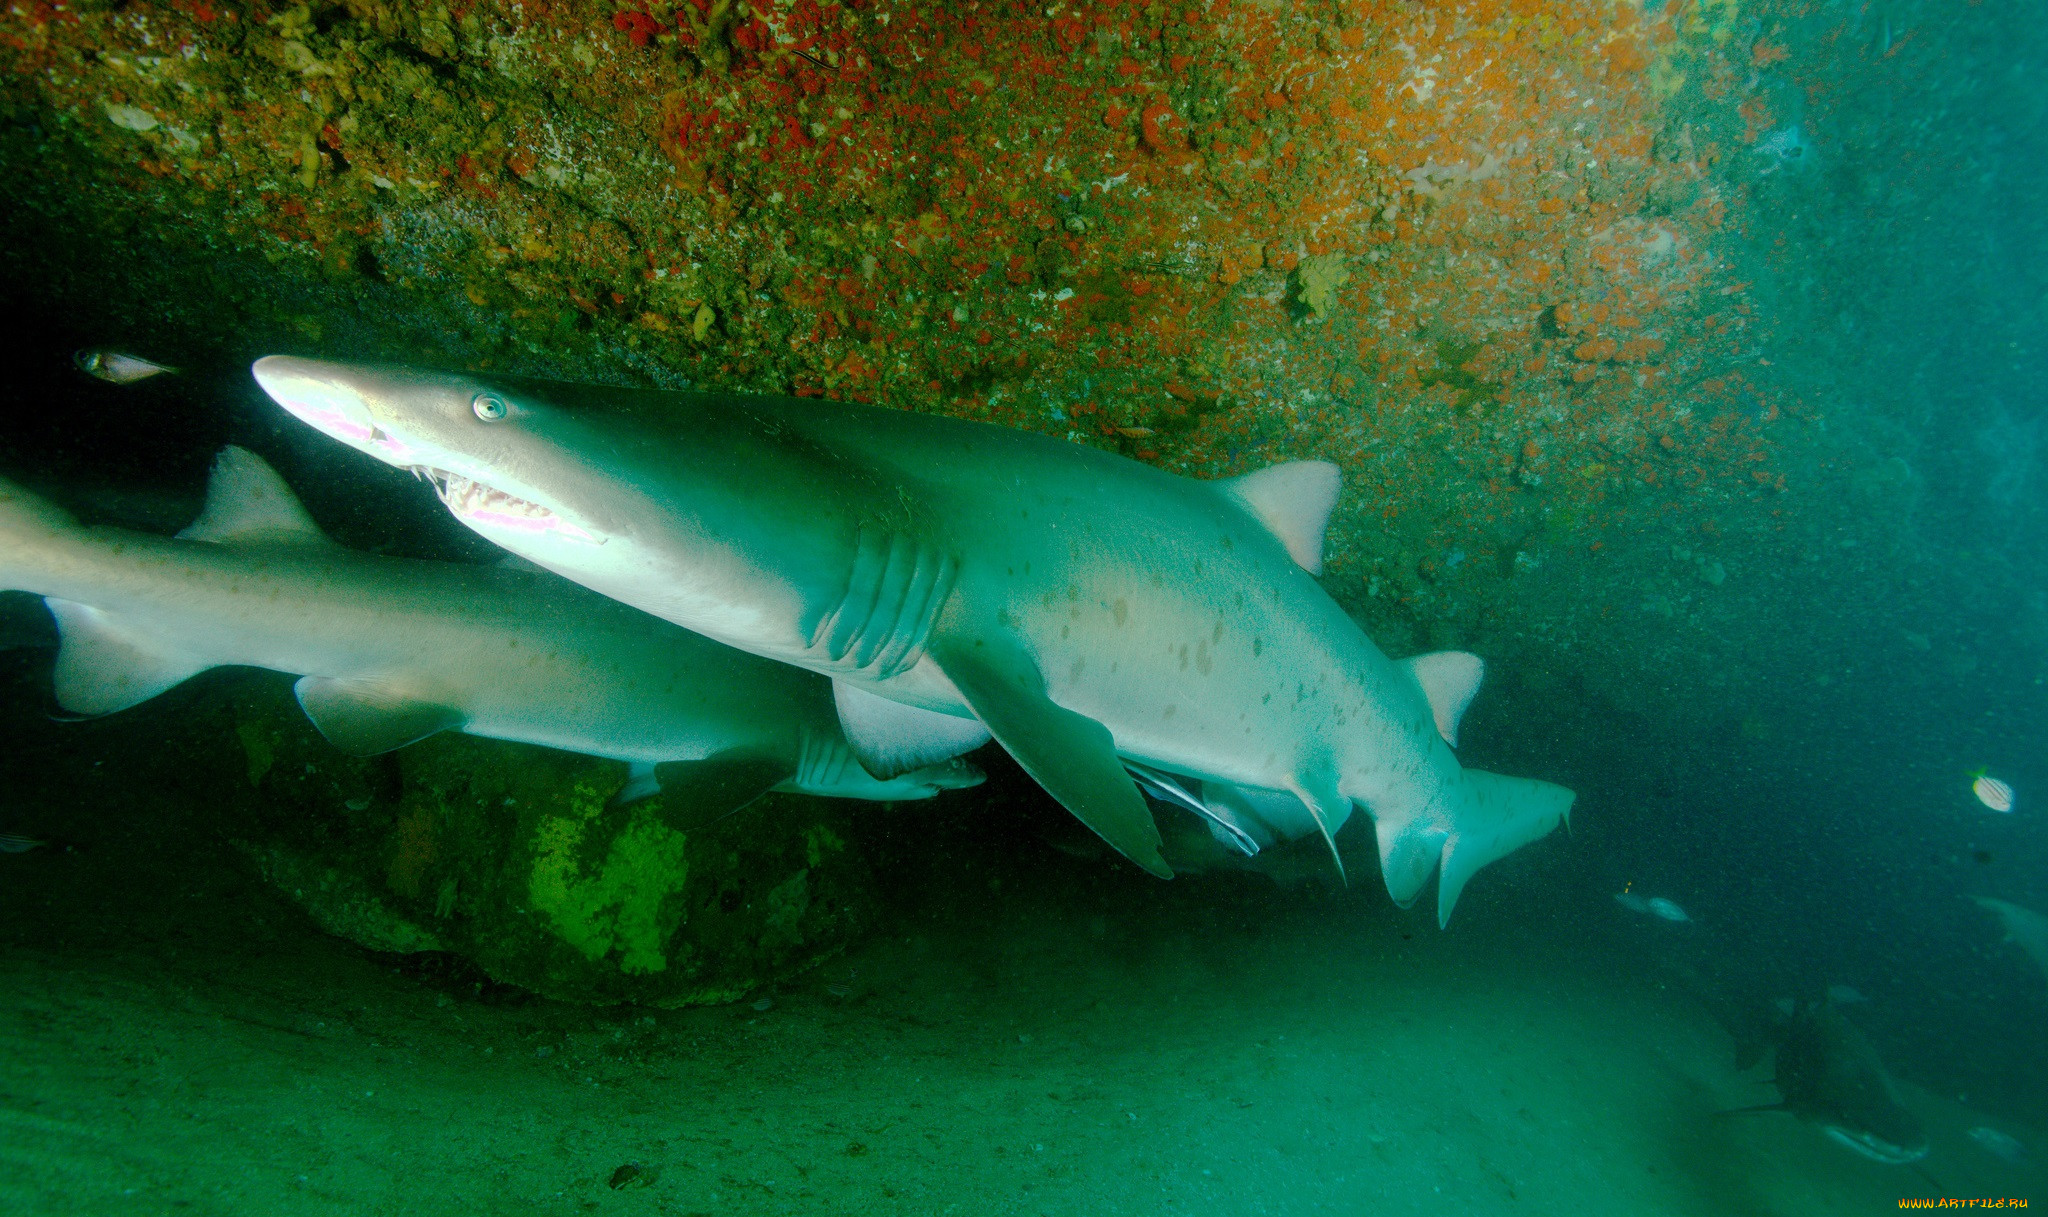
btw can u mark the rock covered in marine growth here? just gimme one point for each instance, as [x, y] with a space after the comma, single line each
[510, 857]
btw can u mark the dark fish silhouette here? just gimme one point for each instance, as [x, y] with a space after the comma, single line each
[1830, 1075]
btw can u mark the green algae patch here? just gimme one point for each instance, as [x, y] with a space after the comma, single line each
[629, 901]
[512, 859]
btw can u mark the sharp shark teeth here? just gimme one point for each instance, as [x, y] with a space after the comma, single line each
[486, 505]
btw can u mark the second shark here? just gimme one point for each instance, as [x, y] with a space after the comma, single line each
[392, 650]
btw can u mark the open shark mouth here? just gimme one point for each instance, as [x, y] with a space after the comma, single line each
[484, 506]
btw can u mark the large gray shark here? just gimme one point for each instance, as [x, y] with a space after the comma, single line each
[958, 579]
[392, 650]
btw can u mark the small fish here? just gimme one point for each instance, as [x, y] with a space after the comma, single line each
[116, 368]
[1655, 906]
[1843, 995]
[1668, 909]
[1992, 793]
[12, 844]
[1998, 1144]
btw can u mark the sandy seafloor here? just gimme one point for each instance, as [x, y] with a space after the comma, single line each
[198, 1048]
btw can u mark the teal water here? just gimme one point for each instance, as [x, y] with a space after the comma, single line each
[1027, 1031]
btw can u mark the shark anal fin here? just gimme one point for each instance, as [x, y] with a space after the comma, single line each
[892, 738]
[894, 592]
[1449, 680]
[698, 794]
[1408, 853]
[1293, 500]
[1071, 755]
[366, 717]
[104, 664]
[247, 501]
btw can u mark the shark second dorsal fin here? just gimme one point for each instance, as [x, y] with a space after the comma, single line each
[105, 664]
[1293, 501]
[366, 717]
[1449, 679]
[247, 501]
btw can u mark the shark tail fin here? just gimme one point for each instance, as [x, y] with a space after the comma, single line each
[104, 663]
[30, 528]
[1501, 815]
[1490, 818]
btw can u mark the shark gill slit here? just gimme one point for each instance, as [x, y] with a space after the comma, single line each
[894, 592]
[898, 577]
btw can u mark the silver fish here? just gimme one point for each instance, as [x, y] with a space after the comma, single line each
[1999, 1144]
[116, 367]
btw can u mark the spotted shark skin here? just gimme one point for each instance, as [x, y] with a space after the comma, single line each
[1084, 609]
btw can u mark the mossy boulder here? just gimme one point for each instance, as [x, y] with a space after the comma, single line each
[514, 858]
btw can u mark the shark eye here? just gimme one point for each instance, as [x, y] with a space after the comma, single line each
[489, 406]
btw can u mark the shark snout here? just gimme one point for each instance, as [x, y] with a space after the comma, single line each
[319, 394]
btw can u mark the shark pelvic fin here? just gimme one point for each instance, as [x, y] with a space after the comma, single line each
[1449, 679]
[1071, 755]
[366, 717]
[1502, 815]
[247, 501]
[891, 739]
[105, 663]
[698, 794]
[1293, 501]
[1318, 793]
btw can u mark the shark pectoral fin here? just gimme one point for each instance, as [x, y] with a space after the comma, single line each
[1501, 815]
[698, 794]
[105, 664]
[1449, 679]
[892, 739]
[366, 717]
[1071, 755]
[1293, 501]
[247, 501]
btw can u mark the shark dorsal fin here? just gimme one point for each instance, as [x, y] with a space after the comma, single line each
[1449, 679]
[1293, 500]
[247, 501]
